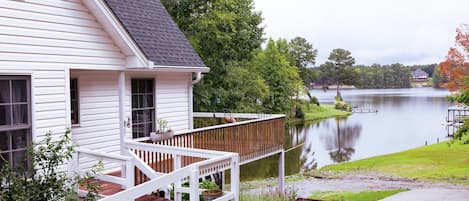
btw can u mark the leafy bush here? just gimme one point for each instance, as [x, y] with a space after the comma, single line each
[299, 113]
[341, 105]
[314, 100]
[208, 185]
[42, 180]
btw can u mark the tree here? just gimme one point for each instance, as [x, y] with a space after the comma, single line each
[339, 68]
[304, 54]
[436, 77]
[246, 88]
[283, 79]
[455, 68]
[221, 31]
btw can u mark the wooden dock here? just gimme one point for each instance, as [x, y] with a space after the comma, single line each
[364, 110]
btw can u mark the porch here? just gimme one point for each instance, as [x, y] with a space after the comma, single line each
[213, 147]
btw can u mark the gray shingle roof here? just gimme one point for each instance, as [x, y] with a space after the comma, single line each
[155, 32]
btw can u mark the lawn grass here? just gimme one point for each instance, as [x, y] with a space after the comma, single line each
[446, 161]
[351, 196]
[314, 112]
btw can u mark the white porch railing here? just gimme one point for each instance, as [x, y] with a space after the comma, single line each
[127, 163]
[213, 162]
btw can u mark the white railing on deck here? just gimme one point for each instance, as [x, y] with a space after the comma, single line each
[215, 161]
[127, 176]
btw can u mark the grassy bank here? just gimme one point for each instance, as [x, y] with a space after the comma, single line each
[352, 196]
[314, 112]
[448, 162]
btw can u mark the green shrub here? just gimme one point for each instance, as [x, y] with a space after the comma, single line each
[43, 180]
[299, 113]
[341, 105]
[314, 100]
[208, 185]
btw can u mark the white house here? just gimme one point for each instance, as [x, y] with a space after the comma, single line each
[109, 69]
[419, 76]
[91, 65]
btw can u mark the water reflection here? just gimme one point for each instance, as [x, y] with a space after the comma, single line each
[406, 119]
[340, 142]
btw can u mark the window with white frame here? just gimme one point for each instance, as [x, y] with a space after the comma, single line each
[143, 107]
[15, 120]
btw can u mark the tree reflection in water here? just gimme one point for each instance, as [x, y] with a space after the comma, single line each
[307, 157]
[341, 144]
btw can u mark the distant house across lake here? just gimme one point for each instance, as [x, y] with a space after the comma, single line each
[419, 76]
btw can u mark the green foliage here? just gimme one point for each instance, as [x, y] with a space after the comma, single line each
[222, 32]
[299, 113]
[208, 185]
[162, 125]
[338, 69]
[282, 78]
[302, 52]
[386, 76]
[43, 180]
[436, 77]
[315, 112]
[245, 89]
[312, 99]
[463, 131]
[341, 105]
[353, 196]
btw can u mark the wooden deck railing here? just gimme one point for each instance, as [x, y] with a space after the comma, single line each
[258, 137]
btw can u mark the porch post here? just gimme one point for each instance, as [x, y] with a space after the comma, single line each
[194, 184]
[177, 184]
[281, 172]
[122, 119]
[235, 177]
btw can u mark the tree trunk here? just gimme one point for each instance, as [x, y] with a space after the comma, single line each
[338, 93]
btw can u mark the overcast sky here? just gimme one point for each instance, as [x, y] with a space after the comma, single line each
[375, 31]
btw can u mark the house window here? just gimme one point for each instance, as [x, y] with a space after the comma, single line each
[74, 101]
[143, 107]
[15, 120]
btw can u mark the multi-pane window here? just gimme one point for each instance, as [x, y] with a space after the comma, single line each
[143, 107]
[74, 100]
[15, 120]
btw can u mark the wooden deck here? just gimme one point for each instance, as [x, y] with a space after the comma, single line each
[251, 139]
[108, 188]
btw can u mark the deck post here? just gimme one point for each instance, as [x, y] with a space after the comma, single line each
[281, 172]
[75, 170]
[177, 185]
[235, 177]
[129, 175]
[194, 184]
[122, 120]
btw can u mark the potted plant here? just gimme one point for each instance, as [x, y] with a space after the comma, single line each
[164, 132]
[211, 190]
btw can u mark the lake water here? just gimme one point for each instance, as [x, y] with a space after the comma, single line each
[406, 118]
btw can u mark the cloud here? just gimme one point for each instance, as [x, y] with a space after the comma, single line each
[375, 31]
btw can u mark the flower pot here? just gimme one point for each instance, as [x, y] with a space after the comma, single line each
[156, 136]
[210, 195]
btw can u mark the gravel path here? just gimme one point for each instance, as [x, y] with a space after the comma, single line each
[354, 183]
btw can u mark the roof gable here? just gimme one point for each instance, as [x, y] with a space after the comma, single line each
[155, 32]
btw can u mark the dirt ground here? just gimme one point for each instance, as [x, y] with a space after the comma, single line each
[306, 186]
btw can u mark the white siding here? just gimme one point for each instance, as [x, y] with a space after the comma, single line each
[46, 38]
[99, 119]
[173, 100]
[55, 33]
